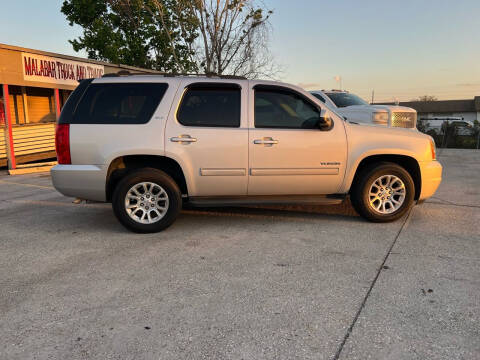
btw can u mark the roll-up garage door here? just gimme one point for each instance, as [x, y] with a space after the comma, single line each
[41, 105]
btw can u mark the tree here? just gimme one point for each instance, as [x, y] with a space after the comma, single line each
[423, 125]
[211, 36]
[233, 35]
[426, 98]
[127, 32]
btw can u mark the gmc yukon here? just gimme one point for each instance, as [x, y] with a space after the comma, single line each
[151, 143]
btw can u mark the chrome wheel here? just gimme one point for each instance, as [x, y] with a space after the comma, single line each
[387, 194]
[146, 202]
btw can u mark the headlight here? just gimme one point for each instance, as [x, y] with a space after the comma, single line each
[380, 118]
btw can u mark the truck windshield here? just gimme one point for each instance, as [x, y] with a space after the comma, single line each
[346, 99]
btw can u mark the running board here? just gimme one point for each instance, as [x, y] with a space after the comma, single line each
[206, 201]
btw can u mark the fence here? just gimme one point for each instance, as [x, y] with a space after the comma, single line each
[452, 134]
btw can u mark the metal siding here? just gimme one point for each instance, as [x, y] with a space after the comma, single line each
[30, 139]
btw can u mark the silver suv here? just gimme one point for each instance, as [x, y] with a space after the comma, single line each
[150, 143]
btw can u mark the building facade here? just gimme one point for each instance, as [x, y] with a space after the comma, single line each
[34, 86]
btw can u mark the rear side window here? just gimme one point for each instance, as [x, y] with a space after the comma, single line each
[68, 109]
[210, 105]
[127, 103]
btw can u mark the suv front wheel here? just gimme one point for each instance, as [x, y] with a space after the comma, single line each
[146, 201]
[383, 192]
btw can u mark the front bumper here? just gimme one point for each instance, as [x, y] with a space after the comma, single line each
[81, 181]
[431, 172]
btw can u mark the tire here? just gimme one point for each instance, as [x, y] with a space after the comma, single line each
[386, 202]
[157, 206]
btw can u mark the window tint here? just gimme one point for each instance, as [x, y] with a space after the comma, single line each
[68, 109]
[127, 103]
[346, 99]
[210, 106]
[284, 109]
[319, 97]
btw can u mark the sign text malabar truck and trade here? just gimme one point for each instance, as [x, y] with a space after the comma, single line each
[58, 71]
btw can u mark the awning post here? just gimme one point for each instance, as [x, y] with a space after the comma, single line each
[12, 164]
[57, 102]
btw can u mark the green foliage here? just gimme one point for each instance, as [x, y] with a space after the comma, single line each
[449, 136]
[128, 32]
[186, 36]
[422, 125]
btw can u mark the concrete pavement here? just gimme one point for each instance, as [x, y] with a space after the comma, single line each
[297, 283]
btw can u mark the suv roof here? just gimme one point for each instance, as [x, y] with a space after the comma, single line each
[335, 91]
[163, 74]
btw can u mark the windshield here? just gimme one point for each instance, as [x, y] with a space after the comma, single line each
[346, 99]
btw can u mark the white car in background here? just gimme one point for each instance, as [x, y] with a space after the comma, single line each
[355, 109]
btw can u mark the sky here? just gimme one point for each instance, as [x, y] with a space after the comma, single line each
[398, 49]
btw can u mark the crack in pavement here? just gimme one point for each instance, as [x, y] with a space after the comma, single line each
[362, 305]
[446, 202]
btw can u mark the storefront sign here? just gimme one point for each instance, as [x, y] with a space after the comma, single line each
[58, 71]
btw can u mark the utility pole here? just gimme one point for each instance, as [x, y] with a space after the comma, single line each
[373, 96]
[338, 78]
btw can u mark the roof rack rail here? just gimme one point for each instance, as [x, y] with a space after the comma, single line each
[118, 73]
[208, 75]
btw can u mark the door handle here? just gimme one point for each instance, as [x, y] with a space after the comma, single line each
[266, 141]
[184, 139]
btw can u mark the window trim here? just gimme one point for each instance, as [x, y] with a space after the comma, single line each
[284, 89]
[208, 84]
[212, 85]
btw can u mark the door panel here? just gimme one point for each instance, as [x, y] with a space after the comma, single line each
[293, 161]
[214, 158]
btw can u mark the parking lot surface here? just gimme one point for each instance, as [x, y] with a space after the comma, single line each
[241, 283]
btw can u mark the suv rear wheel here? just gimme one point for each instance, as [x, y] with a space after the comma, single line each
[384, 192]
[146, 201]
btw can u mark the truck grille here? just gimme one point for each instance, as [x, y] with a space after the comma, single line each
[404, 119]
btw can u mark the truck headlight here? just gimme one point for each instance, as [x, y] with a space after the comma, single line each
[380, 117]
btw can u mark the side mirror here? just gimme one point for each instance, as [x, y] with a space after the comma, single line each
[325, 123]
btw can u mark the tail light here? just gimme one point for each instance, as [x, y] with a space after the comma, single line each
[62, 143]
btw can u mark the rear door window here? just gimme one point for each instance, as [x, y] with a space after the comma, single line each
[126, 103]
[210, 105]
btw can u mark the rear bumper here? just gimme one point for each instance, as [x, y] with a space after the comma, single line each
[431, 172]
[82, 181]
